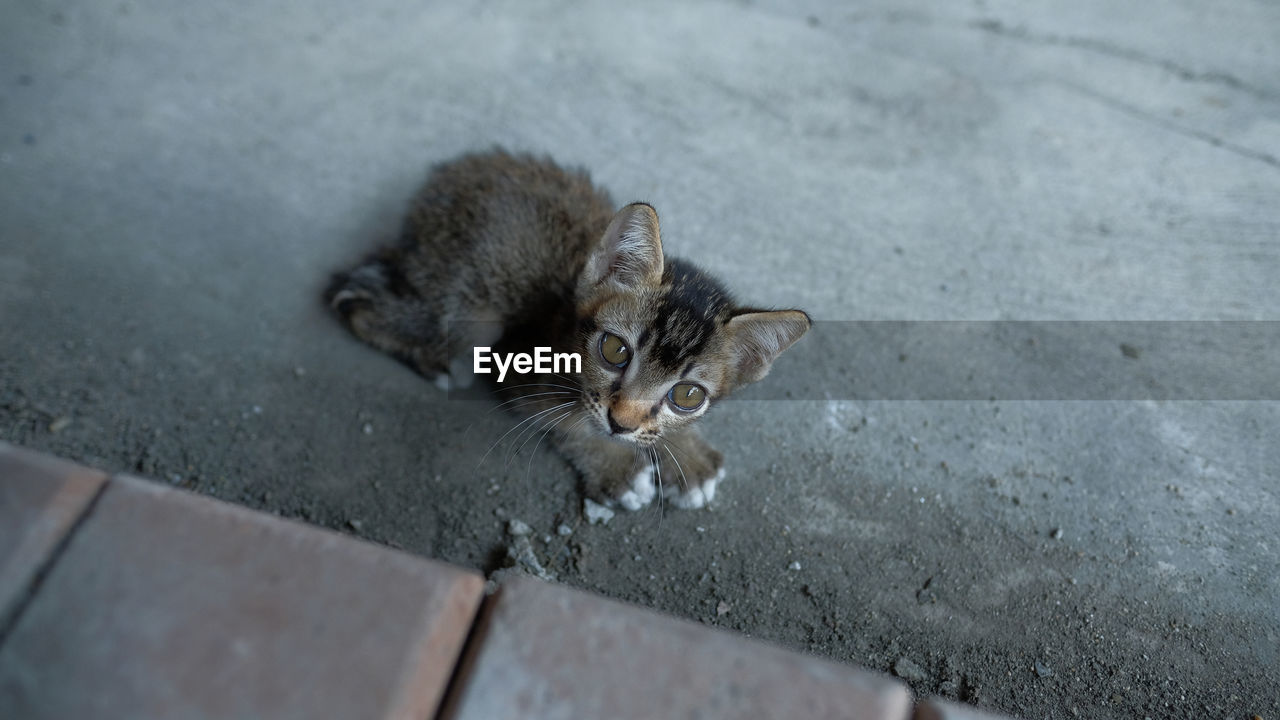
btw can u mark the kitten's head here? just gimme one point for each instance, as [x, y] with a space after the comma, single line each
[660, 340]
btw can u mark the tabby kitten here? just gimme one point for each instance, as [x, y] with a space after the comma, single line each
[538, 253]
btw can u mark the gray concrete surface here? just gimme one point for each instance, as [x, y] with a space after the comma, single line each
[177, 181]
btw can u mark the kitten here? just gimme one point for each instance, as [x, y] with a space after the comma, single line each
[539, 252]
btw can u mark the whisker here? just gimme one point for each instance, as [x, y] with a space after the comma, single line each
[532, 395]
[532, 428]
[682, 451]
[657, 471]
[500, 405]
[684, 480]
[548, 423]
[528, 468]
[513, 429]
[575, 425]
[524, 406]
[505, 388]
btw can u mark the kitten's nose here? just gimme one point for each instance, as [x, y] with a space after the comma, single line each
[614, 427]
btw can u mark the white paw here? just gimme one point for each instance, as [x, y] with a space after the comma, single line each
[595, 512]
[642, 490]
[696, 497]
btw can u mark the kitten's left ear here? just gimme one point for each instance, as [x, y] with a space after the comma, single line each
[630, 252]
[756, 338]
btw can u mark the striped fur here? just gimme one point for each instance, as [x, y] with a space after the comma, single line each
[538, 253]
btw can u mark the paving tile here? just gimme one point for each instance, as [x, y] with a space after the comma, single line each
[549, 652]
[41, 498]
[170, 605]
[943, 710]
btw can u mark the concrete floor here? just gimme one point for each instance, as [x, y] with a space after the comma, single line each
[178, 180]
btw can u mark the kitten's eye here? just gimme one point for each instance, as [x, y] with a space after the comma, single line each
[687, 396]
[614, 351]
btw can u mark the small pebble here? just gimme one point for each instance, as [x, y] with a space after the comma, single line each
[1056, 534]
[596, 513]
[906, 669]
[367, 429]
[355, 525]
[518, 528]
[1043, 670]
[564, 530]
[59, 424]
[795, 565]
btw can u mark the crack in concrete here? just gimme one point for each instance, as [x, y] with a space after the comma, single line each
[9, 622]
[1182, 72]
[1160, 122]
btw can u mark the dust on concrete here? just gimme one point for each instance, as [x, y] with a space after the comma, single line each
[176, 188]
[807, 548]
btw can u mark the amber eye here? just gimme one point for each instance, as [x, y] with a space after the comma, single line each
[614, 351]
[687, 396]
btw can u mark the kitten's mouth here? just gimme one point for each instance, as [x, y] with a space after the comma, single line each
[634, 436]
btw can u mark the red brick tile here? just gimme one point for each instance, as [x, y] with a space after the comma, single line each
[167, 604]
[40, 500]
[941, 710]
[545, 651]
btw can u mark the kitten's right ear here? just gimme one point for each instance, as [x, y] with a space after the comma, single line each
[757, 338]
[630, 252]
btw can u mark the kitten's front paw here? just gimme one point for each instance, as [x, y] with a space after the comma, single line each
[695, 497]
[641, 491]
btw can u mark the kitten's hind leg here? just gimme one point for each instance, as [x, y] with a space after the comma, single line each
[381, 307]
[692, 469]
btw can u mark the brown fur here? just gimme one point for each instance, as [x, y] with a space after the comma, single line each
[538, 253]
